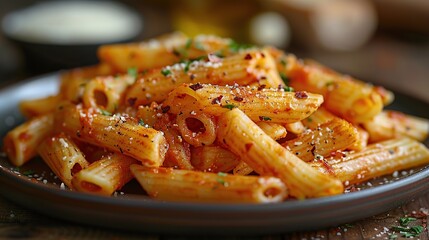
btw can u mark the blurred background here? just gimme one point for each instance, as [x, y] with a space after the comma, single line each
[382, 41]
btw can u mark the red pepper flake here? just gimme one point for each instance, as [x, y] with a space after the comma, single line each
[132, 101]
[261, 87]
[301, 95]
[328, 167]
[165, 109]
[196, 86]
[217, 100]
[238, 99]
[213, 58]
[248, 57]
[262, 55]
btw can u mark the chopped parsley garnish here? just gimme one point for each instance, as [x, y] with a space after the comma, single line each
[220, 179]
[235, 47]
[331, 83]
[288, 89]
[406, 220]
[405, 230]
[186, 68]
[283, 62]
[105, 113]
[166, 72]
[229, 106]
[132, 72]
[284, 78]
[141, 122]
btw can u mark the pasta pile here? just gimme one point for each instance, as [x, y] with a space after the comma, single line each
[205, 119]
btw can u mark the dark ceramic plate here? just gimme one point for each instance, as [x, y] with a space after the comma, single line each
[33, 186]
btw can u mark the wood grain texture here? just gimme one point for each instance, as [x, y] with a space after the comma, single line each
[20, 223]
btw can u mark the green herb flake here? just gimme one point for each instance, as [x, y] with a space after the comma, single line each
[221, 179]
[288, 89]
[229, 106]
[235, 47]
[166, 72]
[406, 220]
[141, 122]
[105, 113]
[284, 78]
[133, 72]
[186, 68]
[264, 118]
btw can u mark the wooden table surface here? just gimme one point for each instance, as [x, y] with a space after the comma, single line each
[20, 223]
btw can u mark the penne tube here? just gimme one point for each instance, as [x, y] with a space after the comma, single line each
[185, 185]
[143, 55]
[20, 143]
[105, 92]
[37, 107]
[63, 157]
[345, 96]
[178, 154]
[244, 138]
[197, 128]
[390, 124]
[105, 176]
[244, 68]
[362, 140]
[213, 159]
[376, 160]
[73, 81]
[165, 50]
[116, 133]
[274, 130]
[329, 137]
[271, 105]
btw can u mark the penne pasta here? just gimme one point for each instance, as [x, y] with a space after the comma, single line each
[390, 124]
[63, 157]
[105, 92]
[117, 133]
[73, 81]
[251, 67]
[184, 185]
[244, 138]
[105, 176]
[179, 153]
[20, 143]
[376, 160]
[345, 96]
[272, 105]
[327, 138]
[37, 107]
